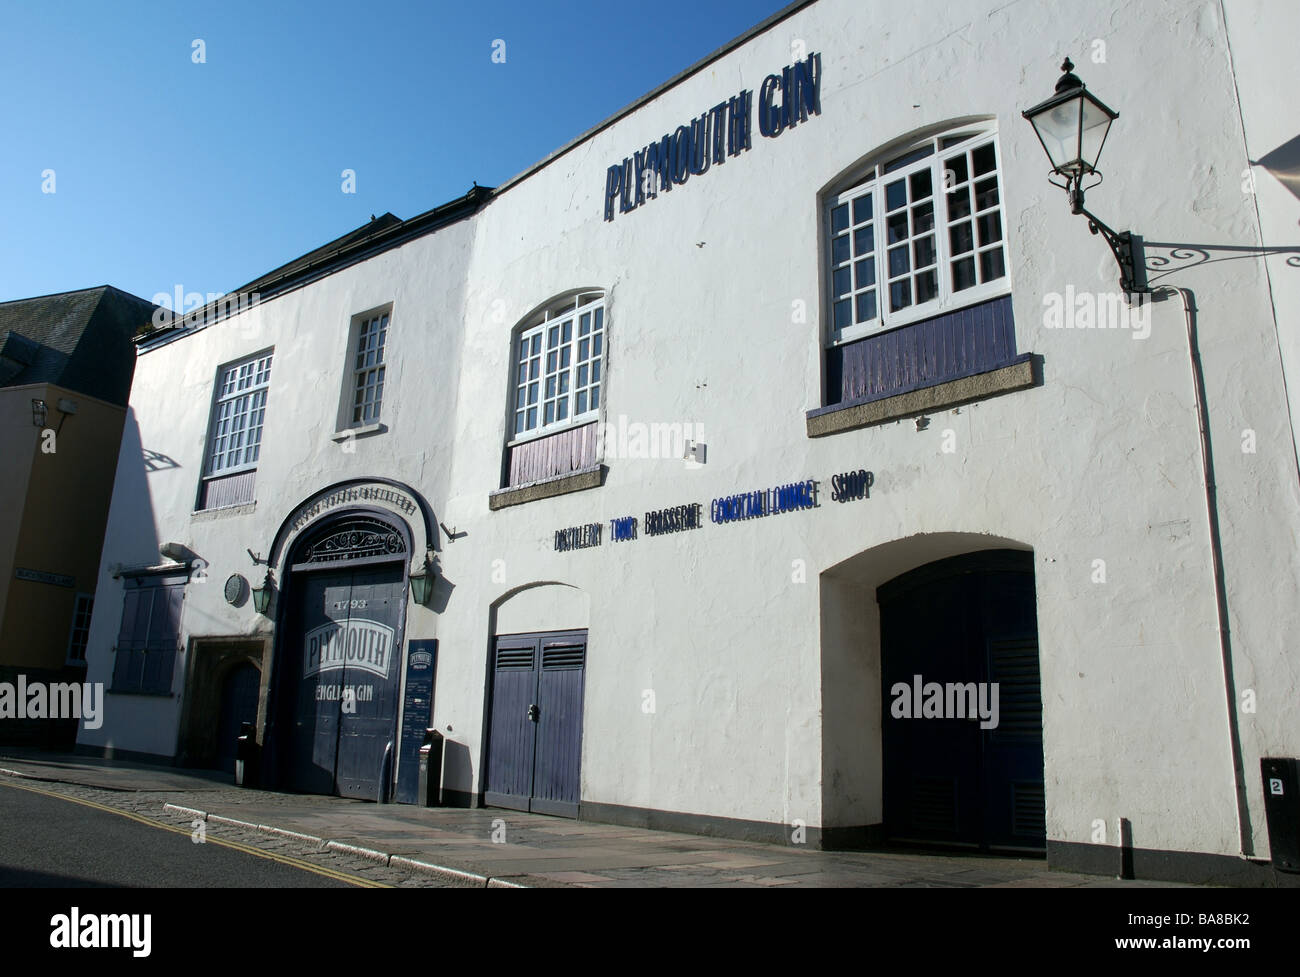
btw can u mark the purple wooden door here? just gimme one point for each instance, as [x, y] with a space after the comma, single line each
[513, 735]
[556, 768]
[535, 732]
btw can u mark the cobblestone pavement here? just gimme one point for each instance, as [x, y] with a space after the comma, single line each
[408, 846]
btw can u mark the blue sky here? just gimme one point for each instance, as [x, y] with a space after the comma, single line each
[168, 172]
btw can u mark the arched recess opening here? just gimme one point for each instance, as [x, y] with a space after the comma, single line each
[932, 715]
[338, 656]
[534, 717]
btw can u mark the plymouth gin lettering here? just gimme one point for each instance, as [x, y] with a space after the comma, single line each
[356, 643]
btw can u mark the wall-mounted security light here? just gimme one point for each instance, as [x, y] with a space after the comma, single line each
[1072, 126]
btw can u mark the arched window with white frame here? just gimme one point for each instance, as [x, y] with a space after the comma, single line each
[916, 277]
[556, 392]
[919, 233]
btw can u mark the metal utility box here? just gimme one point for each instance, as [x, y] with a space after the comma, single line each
[1282, 807]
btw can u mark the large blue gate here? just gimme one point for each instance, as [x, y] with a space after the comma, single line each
[340, 660]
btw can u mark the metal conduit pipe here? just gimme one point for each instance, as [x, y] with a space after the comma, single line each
[1216, 551]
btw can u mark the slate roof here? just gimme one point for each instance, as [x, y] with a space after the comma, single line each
[80, 340]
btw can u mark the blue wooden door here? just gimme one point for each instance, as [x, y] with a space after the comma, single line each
[341, 679]
[239, 694]
[369, 682]
[512, 738]
[1014, 802]
[556, 769]
[321, 614]
[931, 765]
[970, 619]
[535, 726]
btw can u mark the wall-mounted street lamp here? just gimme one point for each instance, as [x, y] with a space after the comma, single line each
[1072, 126]
[39, 413]
[422, 582]
[262, 594]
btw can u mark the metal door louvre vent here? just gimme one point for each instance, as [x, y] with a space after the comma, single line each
[1015, 669]
[934, 803]
[1028, 813]
[563, 656]
[514, 658]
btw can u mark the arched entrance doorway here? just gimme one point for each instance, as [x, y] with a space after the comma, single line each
[962, 736]
[338, 660]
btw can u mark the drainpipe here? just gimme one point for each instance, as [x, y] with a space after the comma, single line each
[1216, 551]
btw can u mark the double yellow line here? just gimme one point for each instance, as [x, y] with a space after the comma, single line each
[298, 863]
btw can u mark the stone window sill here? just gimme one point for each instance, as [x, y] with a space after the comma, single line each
[579, 481]
[348, 433]
[1023, 372]
[223, 511]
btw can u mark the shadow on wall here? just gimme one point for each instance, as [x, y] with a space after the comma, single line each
[1160, 259]
[1284, 164]
[156, 461]
[130, 539]
[456, 769]
[133, 532]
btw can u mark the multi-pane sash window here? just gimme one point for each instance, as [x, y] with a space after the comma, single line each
[923, 234]
[557, 367]
[238, 415]
[368, 370]
[80, 633]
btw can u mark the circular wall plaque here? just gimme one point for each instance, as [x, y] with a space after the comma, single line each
[236, 588]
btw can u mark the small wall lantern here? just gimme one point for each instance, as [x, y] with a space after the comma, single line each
[422, 583]
[262, 594]
[39, 413]
[1072, 126]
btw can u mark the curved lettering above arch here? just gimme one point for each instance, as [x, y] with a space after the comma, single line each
[384, 493]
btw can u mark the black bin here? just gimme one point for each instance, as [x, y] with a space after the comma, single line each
[1282, 807]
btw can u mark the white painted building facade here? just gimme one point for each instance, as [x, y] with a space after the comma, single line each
[734, 677]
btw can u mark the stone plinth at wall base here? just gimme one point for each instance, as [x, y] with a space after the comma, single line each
[1194, 868]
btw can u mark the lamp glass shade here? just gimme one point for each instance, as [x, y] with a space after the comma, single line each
[1093, 128]
[262, 597]
[421, 587]
[1072, 127]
